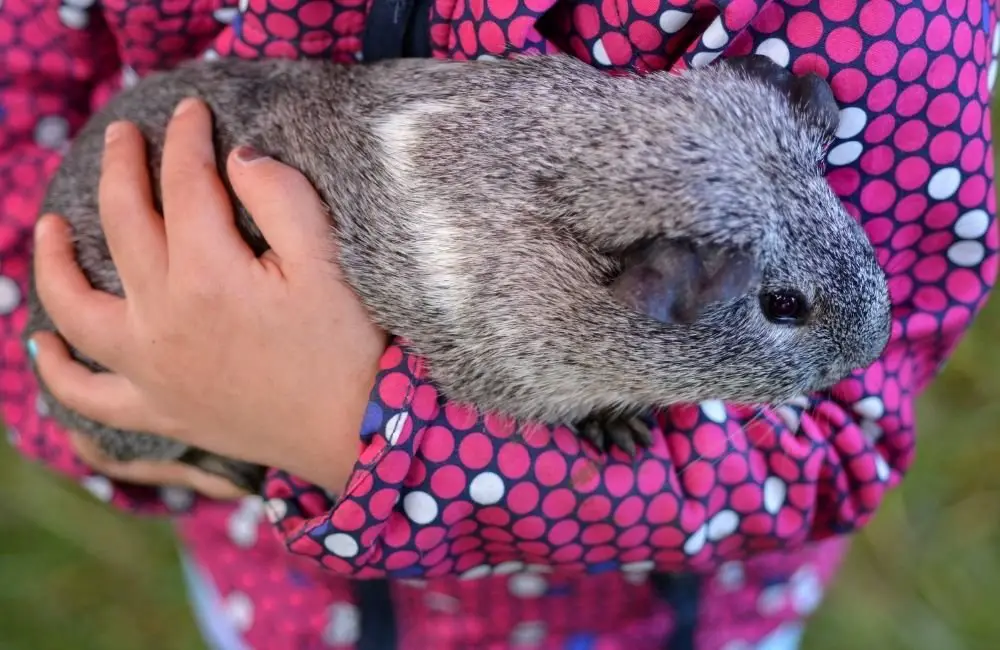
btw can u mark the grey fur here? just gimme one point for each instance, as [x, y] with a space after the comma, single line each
[483, 208]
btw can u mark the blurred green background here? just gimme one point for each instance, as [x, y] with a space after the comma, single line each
[924, 575]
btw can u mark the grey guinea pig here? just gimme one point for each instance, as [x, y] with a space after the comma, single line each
[562, 245]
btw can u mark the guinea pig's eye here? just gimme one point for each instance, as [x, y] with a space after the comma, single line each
[784, 307]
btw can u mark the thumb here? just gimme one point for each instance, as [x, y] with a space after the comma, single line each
[285, 206]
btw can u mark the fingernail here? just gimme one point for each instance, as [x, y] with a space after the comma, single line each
[32, 348]
[247, 154]
[114, 131]
[185, 105]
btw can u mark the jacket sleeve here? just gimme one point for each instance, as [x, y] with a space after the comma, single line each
[56, 62]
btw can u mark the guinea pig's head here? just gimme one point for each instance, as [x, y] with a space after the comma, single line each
[781, 294]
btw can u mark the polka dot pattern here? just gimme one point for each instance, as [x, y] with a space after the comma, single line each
[497, 534]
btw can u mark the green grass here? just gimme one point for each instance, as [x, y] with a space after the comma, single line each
[924, 575]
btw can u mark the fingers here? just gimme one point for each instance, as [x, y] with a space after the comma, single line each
[155, 473]
[285, 206]
[90, 319]
[133, 228]
[197, 211]
[100, 396]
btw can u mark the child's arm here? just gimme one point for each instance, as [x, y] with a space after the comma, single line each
[57, 61]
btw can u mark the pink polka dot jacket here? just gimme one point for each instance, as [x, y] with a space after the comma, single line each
[458, 531]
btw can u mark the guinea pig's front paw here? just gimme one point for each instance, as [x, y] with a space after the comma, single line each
[628, 432]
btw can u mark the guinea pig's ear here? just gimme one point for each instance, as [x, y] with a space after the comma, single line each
[810, 94]
[673, 282]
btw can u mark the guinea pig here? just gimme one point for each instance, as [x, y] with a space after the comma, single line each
[562, 245]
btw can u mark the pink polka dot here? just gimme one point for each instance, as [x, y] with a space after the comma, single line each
[601, 554]
[911, 136]
[513, 460]
[811, 62]
[843, 44]
[943, 109]
[912, 65]
[698, 478]
[598, 534]
[629, 511]
[938, 33]
[393, 467]
[651, 477]
[880, 128]
[437, 444]
[448, 482]
[838, 10]
[460, 416]
[911, 101]
[662, 509]
[962, 40]
[878, 195]
[772, 17]
[941, 72]
[911, 207]
[456, 511]
[973, 155]
[972, 118]
[967, 79]
[619, 480]
[973, 192]
[878, 161]
[475, 450]
[594, 508]
[963, 285]
[876, 17]
[942, 215]
[559, 503]
[910, 26]
[849, 85]
[523, 498]
[567, 553]
[550, 468]
[732, 469]
[844, 181]
[930, 299]
[881, 57]
[746, 498]
[529, 527]
[804, 29]
[563, 533]
[395, 390]
[945, 147]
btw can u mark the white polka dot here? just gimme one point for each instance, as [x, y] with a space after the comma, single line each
[786, 637]
[13, 437]
[344, 625]
[99, 486]
[438, 602]
[210, 55]
[486, 489]
[177, 499]
[774, 494]
[845, 153]
[696, 541]
[129, 76]
[775, 49]
[641, 566]
[394, 427]
[79, 4]
[771, 600]
[527, 585]
[806, 590]
[871, 429]
[882, 468]
[723, 525]
[730, 575]
[244, 5]
[10, 295]
[944, 183]
[41, 406]
[420, 507]
[507, 568]
[528, 633]
[992, 78]
[73, 18]
[477, 572]
[52, 132]
[636, 577]
[966, 253]
[341, 544]
[416, 583]
[715, 36]
[276, 510]
[714, 410]
[253, 506]
[673, 21]
[799, 400]
[487, 57]
[226, 15]
[702, 59]
[600, 54]
[242, 528]
[972, 224]
[239, 610]
[790, 417]
[852, 120]
[871, 408]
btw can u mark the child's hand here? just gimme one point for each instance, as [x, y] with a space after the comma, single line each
[267, 360]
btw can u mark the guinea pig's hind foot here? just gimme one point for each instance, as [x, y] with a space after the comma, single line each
[606, 430]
